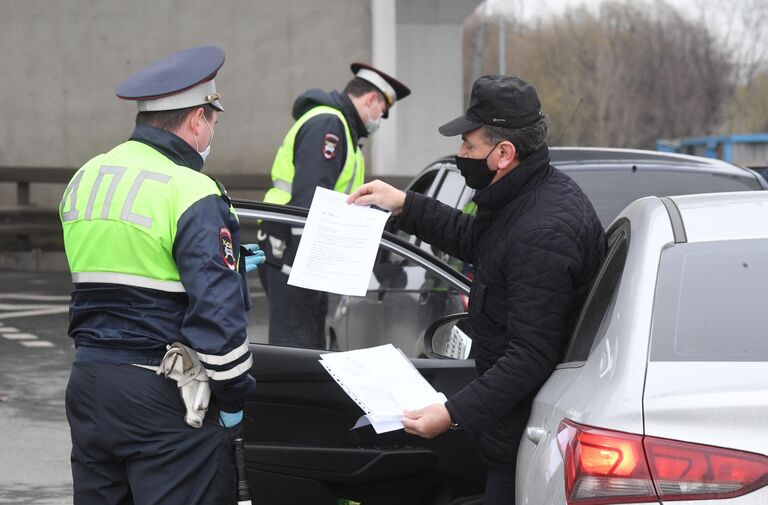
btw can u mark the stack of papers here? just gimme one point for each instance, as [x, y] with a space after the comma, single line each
[383, 382]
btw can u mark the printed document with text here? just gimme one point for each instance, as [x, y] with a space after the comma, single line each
[338, 245]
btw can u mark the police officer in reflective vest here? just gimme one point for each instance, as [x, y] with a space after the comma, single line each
[154, 249]
[321, 149]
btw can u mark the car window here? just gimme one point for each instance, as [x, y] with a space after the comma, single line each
[428, 181]
[598, 308]
[610, 189]
[451, 189]
[710, 302]
[402, 300]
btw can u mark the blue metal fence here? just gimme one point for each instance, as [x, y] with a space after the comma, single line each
[721, 147]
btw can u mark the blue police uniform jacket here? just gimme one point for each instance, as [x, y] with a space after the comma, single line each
[121, 324]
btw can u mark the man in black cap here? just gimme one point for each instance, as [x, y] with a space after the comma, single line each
[536, 244]
[320, 150]
[154, 249]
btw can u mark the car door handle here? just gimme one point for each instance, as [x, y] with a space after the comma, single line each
[535, 434]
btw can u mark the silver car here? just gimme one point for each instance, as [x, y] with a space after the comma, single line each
[662, 395]
[663, 392]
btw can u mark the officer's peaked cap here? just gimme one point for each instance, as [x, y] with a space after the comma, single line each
[181, 80]
[392, 89]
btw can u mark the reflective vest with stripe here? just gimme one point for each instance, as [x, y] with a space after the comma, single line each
[119, 215]
[283, 171]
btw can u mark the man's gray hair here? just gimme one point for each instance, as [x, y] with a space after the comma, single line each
[526, 140]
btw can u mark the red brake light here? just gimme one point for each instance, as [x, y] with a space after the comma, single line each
[604, 456]
[685, 471]
[604, 467]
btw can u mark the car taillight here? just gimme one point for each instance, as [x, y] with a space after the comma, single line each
[604, 467]
[685, 471]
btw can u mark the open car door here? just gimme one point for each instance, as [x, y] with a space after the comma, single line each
[298, 442]
[300, 449]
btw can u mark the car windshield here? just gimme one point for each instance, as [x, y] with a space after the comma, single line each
[610, 189]
[710, 302]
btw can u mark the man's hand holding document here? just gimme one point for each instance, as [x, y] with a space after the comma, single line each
[383, 382]
[338, 245]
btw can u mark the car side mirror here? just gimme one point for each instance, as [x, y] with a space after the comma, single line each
[448, 337]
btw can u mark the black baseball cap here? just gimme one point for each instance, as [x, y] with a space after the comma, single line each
[497, 100]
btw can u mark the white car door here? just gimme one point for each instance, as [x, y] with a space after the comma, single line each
[539, 462]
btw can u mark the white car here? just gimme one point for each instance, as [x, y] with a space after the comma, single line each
[663, 392]
[661, 396]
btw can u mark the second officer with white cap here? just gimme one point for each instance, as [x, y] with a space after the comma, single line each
[321, 149]
[154, 249]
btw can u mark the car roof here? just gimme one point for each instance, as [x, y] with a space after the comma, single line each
[596, 158]
[724, 216]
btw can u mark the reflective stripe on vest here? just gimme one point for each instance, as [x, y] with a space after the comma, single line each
[119, 215]
[283, 170]
[283, 185]
[128, 280]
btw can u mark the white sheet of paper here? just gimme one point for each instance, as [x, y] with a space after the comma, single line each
[338, 245]
[383, 382]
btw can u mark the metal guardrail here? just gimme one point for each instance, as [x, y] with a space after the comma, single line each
[25, 176]
[24, 226]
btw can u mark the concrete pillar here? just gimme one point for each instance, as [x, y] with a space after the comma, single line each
[384, 143]
[429, 61]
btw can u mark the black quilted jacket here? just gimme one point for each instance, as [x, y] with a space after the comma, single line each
[536, 244]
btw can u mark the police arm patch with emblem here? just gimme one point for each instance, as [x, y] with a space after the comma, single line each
[330, 145]
[226, 248]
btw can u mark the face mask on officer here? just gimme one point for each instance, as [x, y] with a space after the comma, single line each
[204, 154]
[475, 171]
[373, 124]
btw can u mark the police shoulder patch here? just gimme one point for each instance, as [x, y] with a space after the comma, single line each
[226, 248]
[330, 144]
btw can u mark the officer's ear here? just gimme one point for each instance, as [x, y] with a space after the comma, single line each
[196, 120]
[371, 97]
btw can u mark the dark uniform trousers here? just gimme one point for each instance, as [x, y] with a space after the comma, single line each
[296, 315]
[132, 446]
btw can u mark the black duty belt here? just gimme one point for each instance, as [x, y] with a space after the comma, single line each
[118, 356]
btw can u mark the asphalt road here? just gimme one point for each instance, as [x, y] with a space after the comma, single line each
[35, 358]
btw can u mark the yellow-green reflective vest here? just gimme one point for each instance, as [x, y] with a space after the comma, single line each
[119, 215]
[283, 171]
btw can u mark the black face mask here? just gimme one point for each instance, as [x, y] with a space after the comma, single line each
[475, 171]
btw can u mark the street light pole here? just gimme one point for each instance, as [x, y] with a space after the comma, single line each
[502, 45]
